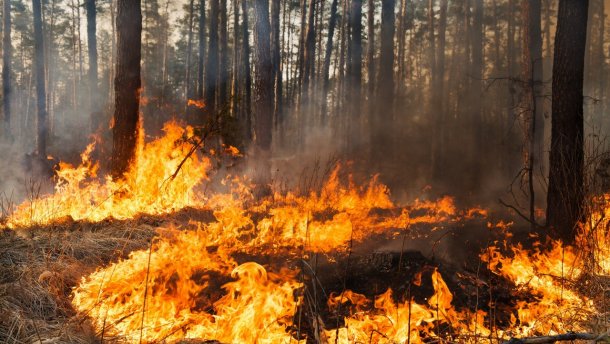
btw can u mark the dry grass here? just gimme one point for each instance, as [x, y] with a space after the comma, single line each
[40, 266]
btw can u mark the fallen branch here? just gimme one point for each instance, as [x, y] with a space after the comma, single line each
[593, 337]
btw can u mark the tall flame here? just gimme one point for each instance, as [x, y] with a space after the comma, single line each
[147, 188]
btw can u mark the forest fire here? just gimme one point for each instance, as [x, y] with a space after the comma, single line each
[217, 291]
[315, 172]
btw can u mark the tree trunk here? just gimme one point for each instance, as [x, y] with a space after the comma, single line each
[247, 103]
[41, 106]
[236, 66]
[92, 51]
[438, 149]
[310, 50]
[301, 56]
[223, 74]
[384, 118]
[535, 47]
[189, 52]
[479, 152]
[263, 91]
[332, 23]
[212, 67]
[275, 48]
[354, 70]
[566, 163]
[201, 56]
[370, 52]
[126, 85]
[529, 102]
[6, 68]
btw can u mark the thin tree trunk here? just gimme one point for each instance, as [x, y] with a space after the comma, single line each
[189, 52]
[223, 74]
[247, 103]
[92, 50]
[355, 70]
[126, 85]
[332, 23]
[301, 56]
[529, 103]
[212, 67]
[41, 108]
[438, 150]
[6, 68]
[310, 50]
[201, 57]
[370, 51]
[275, 48]
[566, 175]
[476, 75]
[80, 42]
[236, 76]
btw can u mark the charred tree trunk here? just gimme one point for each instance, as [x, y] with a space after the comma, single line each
[263, 91]
[6, 68]
[126, 85]
[92, 51]
[41, 97]
[332, 23]
[566, 163]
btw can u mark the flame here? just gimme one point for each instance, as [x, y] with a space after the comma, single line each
[196, 103]
[148, 187]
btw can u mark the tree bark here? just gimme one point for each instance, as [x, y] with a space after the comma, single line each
[92, 51]
[212, 67]
[439, 135]
[247, 102]
[332, 23]
[41, 106]
[126, 86]
[222, 59]
[6, 68]
[354, 71]
[479, 152]
[566, 163]
[201, 56]
[277, 71]
[370, 52]
[263, 91]
[383, 120]
[189, 52]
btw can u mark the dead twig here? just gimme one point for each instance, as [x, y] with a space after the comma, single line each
[593, 337]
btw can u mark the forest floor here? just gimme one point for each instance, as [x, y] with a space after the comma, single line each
[40, 266]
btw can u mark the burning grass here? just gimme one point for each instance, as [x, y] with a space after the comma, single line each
[284, 268]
